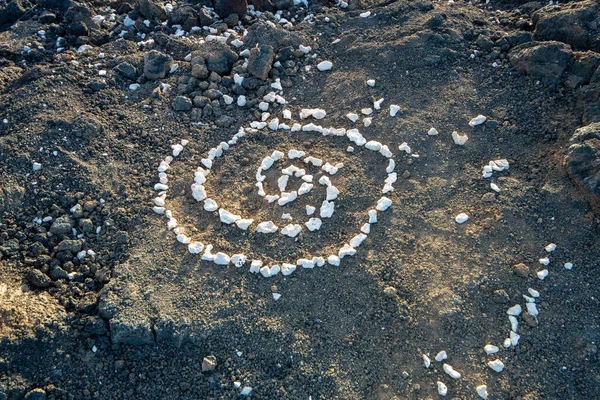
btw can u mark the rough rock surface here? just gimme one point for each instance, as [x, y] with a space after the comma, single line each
[156, 64]
[547, 60]
[583, 161]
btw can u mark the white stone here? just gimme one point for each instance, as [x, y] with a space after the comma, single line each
[459, 139]
[287, 197]
[183, 239]
[241, 101]
[330, 169]
[261, 190]
[271, 198]
[352, 117]
[291, 230]
[533, 293]
[238, 260]
[514, 338]
[478, 120]
[426, 361]
[515, 310]
[159, 210]
[265, 271]
[542, 274]
[404, 147]
[207, 255]
[451, 371]
[287, 269]
[255, 266]
[333, 260]
[373, 145]
[366, 229]
[377, 104]
[568, 265]
[346, 250]
[263, 106]
[305, 263]
[461, 218]
[367, 111]
[282, 182]
[514, 324]
[324, 66]
[226, 217]
[290, 170]
[391, 166]
[491, 349]
[550, 248]
[276, 296]
[496, 365]
[161, 187]
[210, 205]
[275, 269]
[221, 259]
[544, 261]
[317, 162]
[482, 391]
[507, 343]
[383, 204]
[441, 356]
[442, 389]
[495, 187]
[267, 163]
[371, 82]
[372, 216]
[305, 188]
[357, 240]
[286, 216]
[324, 180]
[266, 227]
[327, 209]
[310, 210]
[319, 261]
[394, 110]
[532, 309]
[195, 247]
[243, 224]
[529, 299]
[332, 192]
[172, 224]
[293, 153]
[274, 124]
[432, 132]
[365, 14]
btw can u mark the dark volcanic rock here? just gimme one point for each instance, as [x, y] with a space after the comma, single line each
[226, 7]
[217, 57]
[261, 61]
[262, 33]
[546, 60]
[583, 162]
[37, 279]
[185, 16]
[61, 226]
[182, 103]
[152, 10]
[156, 65]
[574, 24]
[127, 70]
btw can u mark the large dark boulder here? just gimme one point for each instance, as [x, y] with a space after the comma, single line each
[582, 162]
[226, 7]
[547, 60]
[156, 64]
[217, 57]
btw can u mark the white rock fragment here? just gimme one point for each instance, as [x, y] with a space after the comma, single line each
[372, 216]
[316, 113]
[195, 247]
[172, 224]
[183, 239]
[287, 269]
[495, 187]
[544, 261]
[160, 187]
[198, 192]
[366, 229]
[441, 356]
[291, 230]
[352, 117]
[367, 111]
[365, 14]
[350, 149]
[246, 391]
[514, 324]
[255, 266]
[221, 259]
[276, 296]
[532, 309]
[333, 260]
[226, 217]
[459, 139]
[317, 162]
[496, 365]
[266, 227]
[550, 247]
[293, 153]
[332, 192]
[159, 210]
[238, 260]
[371, 82]
[391, 166]
[432, 132]
[534, 293]
[282, 182]
[383, 204]
[271, 198]
[442, 389]
[514, 310]
[451, 371]
[346, 250]
[491, 349]
[243, 224]
[357, 240]
[377, 104]
[287, 197]
[394, 110]
[327, 209]
[542, 274]
[267, 163]
[482, 391]
[461, 218]
[241, 101]
[324, 66]
[514, 338]
[404, 147]
[426, 361]
[207, 255]
[478, 120]
[568, 265]
[305, 263]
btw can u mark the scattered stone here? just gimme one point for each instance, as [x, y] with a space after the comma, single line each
[496, 365]
[38, 279]
[61, 226]
[209, 363]
[488, 197]
[182, 103]
[156, 64]
[390, 291]
[521, 270]
[260, 61]
[152, 10]
[461, 218]
[127, 71]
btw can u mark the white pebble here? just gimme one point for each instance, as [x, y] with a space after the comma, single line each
[404, 147]
[394, 110]
[291, 230]
[442, 389]
[461, 218]
[276, 296]
[514, 310]
[367, 111]
[195, 247]
[324, 66]
[459, 139]
[482, 391]
[333, 260]
[491, 349]
[266, 227]
[310, 210]
[198, 192]
[568, 265]
[210, 205]
[451, 371]
[243, 224]
[313, 224]
[238, 260]
[366, 229]
[478, 120]
[221, 259]
[372, 216]
[377, 104]
[287, 269]
[532, 309]
[226, 217]
[496, 365]
[432, 132]
[255, 266]
[357, 240]
[366, 14]
[352, 117]
[550, 248]
[544, 261]
[441, 356]
[514, 324]
[371, 82]
[542, 274]
[495, 187]
[346, 250]
[383, 204]
[533, 293]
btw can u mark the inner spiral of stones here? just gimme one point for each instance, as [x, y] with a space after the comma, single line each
[231, 184]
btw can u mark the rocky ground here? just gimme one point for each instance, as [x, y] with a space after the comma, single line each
[98, 299]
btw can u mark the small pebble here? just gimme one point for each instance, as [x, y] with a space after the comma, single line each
[461, 218]
[542, 274]
[496, 365]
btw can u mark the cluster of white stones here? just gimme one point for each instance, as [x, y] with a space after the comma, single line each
[326, 210]
[496, 165]
[447, 368]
